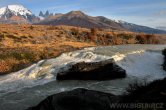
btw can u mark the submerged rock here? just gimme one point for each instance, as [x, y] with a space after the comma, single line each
[78, 99]
[104, 70]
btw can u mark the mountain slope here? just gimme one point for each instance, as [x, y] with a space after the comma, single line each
[139, 28]
[80, 19]
[16, 14]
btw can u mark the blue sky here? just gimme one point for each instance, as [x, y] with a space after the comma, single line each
[144, 12]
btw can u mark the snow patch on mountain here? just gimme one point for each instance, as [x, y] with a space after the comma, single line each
[19, 9]
[2, 10]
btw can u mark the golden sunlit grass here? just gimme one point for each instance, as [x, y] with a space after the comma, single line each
[22, 45]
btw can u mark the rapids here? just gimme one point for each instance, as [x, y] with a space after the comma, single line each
[27, 87]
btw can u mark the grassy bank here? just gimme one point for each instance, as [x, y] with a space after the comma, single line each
[22, 45]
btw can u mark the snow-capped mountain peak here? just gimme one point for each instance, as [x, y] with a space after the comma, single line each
[19, 9]
[16, 10]
[17, 14]
[2, 10]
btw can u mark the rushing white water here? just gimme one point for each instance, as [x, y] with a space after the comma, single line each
[31, 85]
[145, 65]
[46, 70]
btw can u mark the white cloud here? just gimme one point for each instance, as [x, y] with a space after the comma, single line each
[161, 13]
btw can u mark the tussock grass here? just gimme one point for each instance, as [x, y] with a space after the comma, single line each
[26, 44]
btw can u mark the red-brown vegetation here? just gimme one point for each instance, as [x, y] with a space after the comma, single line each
[147, 39]
[22, 45]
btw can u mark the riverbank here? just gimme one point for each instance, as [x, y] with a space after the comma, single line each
[30, 86]
[23, 45]
[138, 96]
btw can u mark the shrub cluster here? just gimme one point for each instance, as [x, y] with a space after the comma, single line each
[147, 39]
[153, 92]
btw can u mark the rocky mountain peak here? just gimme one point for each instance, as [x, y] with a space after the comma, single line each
[17, 12]
[79, 14]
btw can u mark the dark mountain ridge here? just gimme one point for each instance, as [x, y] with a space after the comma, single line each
[18, 14]
[80, 19]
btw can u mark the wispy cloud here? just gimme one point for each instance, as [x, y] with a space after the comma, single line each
[145, 12]
[161, 13]
[161, 27]
[60, 7]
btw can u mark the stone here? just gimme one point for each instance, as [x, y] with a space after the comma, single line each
[78, 99]
[104, 70]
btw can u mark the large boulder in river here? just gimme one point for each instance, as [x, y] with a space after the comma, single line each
[78, 99]
[104, 70]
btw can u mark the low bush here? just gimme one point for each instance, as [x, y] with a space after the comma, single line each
[74, 31]
[154, 92]
[125, 36]
[11, 65]
[147, 39]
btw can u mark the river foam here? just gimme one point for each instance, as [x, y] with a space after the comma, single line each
[138, 63]
[45, 71]
[30, 86]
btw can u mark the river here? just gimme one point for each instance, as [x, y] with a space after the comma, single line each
[27, 87]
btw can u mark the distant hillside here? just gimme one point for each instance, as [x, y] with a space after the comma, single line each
[80, 19]
[139, 28]
[18, 14]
